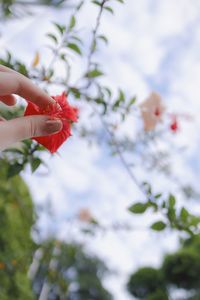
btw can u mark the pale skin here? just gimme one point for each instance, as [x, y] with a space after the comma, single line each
[16, 130]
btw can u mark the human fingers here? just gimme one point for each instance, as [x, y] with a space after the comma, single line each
[8, 99]
[2, 119]
[12, 82]
[5, 69]
[29, 91]
[19, 129]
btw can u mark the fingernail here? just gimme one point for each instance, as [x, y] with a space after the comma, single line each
[58, 106]
[53, 126]
[54, 102]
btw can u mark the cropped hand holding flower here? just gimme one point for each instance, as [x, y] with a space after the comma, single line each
[66, 113]
[47, 122]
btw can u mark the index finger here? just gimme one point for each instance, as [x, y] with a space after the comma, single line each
[16, 83]
[29, 91]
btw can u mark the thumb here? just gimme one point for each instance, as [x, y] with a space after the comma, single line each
[23, 128]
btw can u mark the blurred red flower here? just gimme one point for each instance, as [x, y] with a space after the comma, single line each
[152, 110]
[174, 126]
[85, 215]
[68, 114]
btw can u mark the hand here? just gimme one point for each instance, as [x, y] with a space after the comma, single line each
[12, 131]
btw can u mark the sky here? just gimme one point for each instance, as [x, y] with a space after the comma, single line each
[153, 45]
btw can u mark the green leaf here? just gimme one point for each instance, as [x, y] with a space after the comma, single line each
[147, 188]
[63, 56]
[94, 46]
[120, 99]
[121, 96]
[14, 150]
[21, 68]
[108, 91]
[96, 2]
[94, 73]
[138, 208]
[103, 103]
[194, 220]
[14, 169]
[171, 201]
[76, 38]
[9, 57]
[79, 6]
[157, 196]
[52, 37]
[108, 8]
[60, 28]
[27, 143]
[94, 222]
[35, 163]
[75, 92]
[49, 74]
[153, 205]
[171, 214]
[39, 147]
[158, 226]
[75, 48]
[72, 22]
[184, 214]
[103, 38]
[132, 101]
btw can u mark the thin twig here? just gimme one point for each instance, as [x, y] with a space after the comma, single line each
[94, 36]
[64, 37]
[122, 158]
[92, 50]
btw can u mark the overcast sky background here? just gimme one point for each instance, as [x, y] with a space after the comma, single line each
[154, 45]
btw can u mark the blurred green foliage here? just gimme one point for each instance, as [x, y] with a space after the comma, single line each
[14, 64]
[16, 245]
[147, 282]
[74, 275]
[179, 270]
[70, 273]
[19, 8]
[182, 269]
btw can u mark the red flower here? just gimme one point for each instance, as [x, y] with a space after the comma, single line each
[68, 114]
[174, 125]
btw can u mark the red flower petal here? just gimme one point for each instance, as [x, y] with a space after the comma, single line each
[68, 114]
